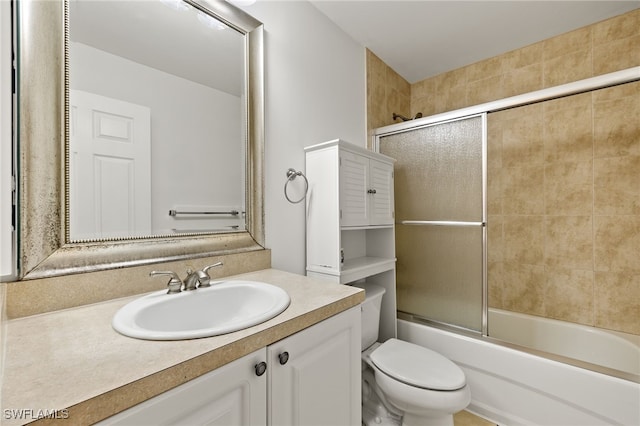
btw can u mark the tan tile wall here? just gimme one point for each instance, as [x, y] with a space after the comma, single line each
[564, 175]
[387, 92]
[564, 208]
[597, 49]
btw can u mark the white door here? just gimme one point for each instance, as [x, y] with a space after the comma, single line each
[381, 207]
[354, 178]
[314, 375]
[110, 167]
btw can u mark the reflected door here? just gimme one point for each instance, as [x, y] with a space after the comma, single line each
[440, 220]
[110, 177]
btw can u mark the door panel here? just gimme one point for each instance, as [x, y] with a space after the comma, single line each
[110, 173]
[440, 220]
[354, 177]
[381, 207]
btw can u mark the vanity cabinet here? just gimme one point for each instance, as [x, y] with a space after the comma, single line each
[314, 375]
[232, 395]
[311, 377]
[350, 220]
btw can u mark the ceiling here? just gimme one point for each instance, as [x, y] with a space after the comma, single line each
[420, 38]
[167, 35]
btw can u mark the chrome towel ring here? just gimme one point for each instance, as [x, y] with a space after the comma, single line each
[291, 175]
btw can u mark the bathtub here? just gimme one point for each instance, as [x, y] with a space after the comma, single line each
[610, 349]
[513, 387]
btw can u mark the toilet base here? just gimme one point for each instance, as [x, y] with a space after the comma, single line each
[375, 418]
[374, 411]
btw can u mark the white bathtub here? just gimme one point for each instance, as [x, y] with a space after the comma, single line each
[610, 349]
[512, 387]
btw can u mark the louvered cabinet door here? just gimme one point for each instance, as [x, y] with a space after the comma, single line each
[354, 187]
[381, 208]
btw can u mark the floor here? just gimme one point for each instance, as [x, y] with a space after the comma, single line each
[465, 418]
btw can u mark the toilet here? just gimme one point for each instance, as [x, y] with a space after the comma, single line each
[403, 383]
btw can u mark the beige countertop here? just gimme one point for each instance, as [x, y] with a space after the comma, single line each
[72, 364]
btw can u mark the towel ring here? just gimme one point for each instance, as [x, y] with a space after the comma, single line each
[291, 175]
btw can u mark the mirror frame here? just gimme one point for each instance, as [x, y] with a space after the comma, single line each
[42, 122]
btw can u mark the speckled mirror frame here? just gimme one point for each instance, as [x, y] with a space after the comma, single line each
[43, 243]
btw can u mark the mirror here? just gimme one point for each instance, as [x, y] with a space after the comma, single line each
[157, 126]
[99, 67]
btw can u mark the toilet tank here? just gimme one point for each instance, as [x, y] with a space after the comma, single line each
[370, 313]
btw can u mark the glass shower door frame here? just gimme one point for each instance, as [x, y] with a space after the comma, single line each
[483, 223]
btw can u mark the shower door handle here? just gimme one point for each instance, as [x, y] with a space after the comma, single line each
[441, 223]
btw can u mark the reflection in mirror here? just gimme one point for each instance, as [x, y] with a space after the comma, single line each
[46, 245]
[156, 121]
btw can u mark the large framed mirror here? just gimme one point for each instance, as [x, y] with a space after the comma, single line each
[140, 133]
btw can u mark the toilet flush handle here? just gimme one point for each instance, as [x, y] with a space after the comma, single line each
[283, 357]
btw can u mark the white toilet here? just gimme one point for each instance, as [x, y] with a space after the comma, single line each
[402, 383]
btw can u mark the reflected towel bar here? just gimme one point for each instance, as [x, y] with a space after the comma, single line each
[441, 223]
[175, 213]
[199, 231]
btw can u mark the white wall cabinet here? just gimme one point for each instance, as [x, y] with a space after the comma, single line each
[350, 220]
[365, 190]
[311, 378]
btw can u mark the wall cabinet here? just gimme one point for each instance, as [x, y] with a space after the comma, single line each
[311, 377]
[365, 190]
[350, 219]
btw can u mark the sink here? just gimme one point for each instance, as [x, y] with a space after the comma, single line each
[225, 307]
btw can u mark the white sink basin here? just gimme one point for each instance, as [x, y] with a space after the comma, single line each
[222, 308]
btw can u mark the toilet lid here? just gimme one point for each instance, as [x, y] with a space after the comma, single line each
[417, 366]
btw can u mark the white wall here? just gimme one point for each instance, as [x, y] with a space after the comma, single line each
[6, 257]
[315, 80]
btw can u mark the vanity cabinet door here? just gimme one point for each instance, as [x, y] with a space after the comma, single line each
[228, 396]
[314, 375]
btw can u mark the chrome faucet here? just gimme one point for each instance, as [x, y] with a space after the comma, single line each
[174, 284]
[193, 280]
[203, 276]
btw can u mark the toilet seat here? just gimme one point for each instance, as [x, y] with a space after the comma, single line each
[417, 366]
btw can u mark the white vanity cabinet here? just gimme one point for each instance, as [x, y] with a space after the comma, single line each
[314, 375]
[316, 382]
[232, 395]
[350, 220]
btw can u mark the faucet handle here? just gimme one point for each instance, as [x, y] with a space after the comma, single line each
[174, 284]
[204, 277]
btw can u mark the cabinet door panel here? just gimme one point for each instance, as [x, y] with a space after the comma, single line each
[320, 382]
[354, 178]
[381, 210]
[232, 395]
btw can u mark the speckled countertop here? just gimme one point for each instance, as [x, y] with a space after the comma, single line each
[72, 364]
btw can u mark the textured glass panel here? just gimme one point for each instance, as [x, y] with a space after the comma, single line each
[438, 173]
[439, 273]
[438, 177]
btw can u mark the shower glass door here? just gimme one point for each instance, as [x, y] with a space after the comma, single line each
[441, 220]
